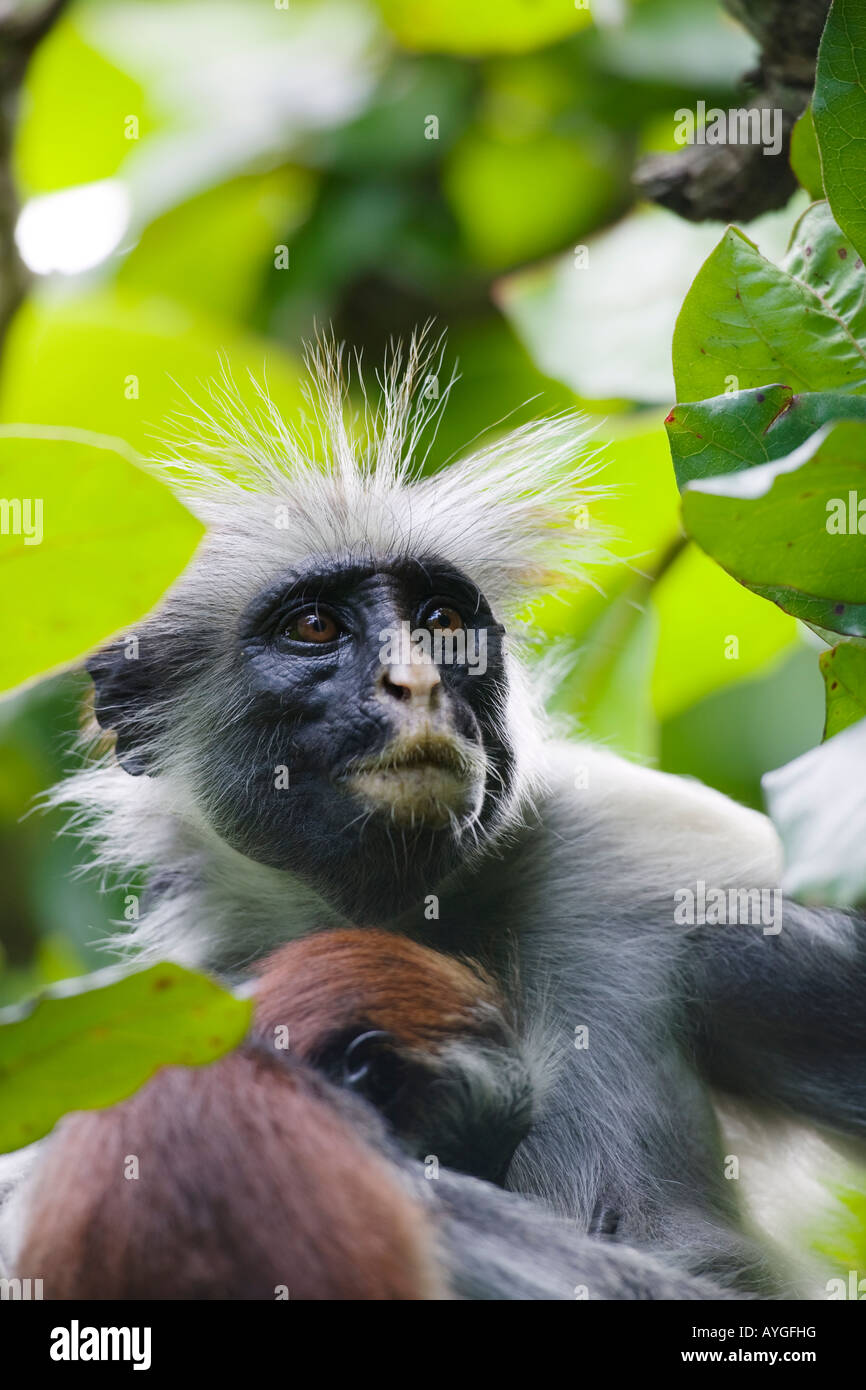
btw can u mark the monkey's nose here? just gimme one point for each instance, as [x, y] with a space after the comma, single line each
[418, 683]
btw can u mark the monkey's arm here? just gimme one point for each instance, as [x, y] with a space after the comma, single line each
[499, 1246]
[782, 1018]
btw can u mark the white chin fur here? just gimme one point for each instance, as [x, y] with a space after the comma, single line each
[419, 795]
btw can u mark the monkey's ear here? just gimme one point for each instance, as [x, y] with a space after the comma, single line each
[128, 696]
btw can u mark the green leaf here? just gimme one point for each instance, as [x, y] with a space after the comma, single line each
[839, 105]
[818, 806]
[113, 537]
[120, 363]
[789, 530]
[601, 318]
[92, 541]
[89, 1049]
[486, 26]
[60, 142]
[746, 428]
[844, 672]
[805, 156]
[749, 322]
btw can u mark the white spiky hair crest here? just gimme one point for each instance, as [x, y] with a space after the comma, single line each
[504, 515]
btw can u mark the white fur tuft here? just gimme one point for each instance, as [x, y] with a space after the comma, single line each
[504, 514]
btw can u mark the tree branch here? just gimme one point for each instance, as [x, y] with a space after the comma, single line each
[22, 28]
[738, 182]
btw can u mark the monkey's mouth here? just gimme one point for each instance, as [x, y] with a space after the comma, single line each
[428, 779]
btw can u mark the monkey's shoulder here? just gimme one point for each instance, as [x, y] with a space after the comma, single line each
[646, 832]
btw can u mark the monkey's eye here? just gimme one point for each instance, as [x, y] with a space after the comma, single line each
[372, 1068]
[440, 616]
[313, 626]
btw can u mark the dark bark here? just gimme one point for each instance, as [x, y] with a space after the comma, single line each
[738, 182]
[22, 27]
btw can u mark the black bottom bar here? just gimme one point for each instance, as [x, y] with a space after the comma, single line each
[223, 1340]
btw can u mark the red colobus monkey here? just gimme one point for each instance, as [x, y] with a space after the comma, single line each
[253, 1175]
[256, 1177]
[329, 721]
[249, 1182]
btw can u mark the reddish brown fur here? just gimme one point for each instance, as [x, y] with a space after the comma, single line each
[330, 980]
[250, 1178]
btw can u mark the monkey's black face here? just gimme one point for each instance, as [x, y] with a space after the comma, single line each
[371, 753]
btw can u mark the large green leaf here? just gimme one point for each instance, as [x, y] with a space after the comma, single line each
[801, 324]
[89, 543]
[844, 672]
[839, 106]
[818, 806]
[85, 1050]
[486, 26]
[731, 432]
[113, 537]
[789, 530]
[122, 362]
